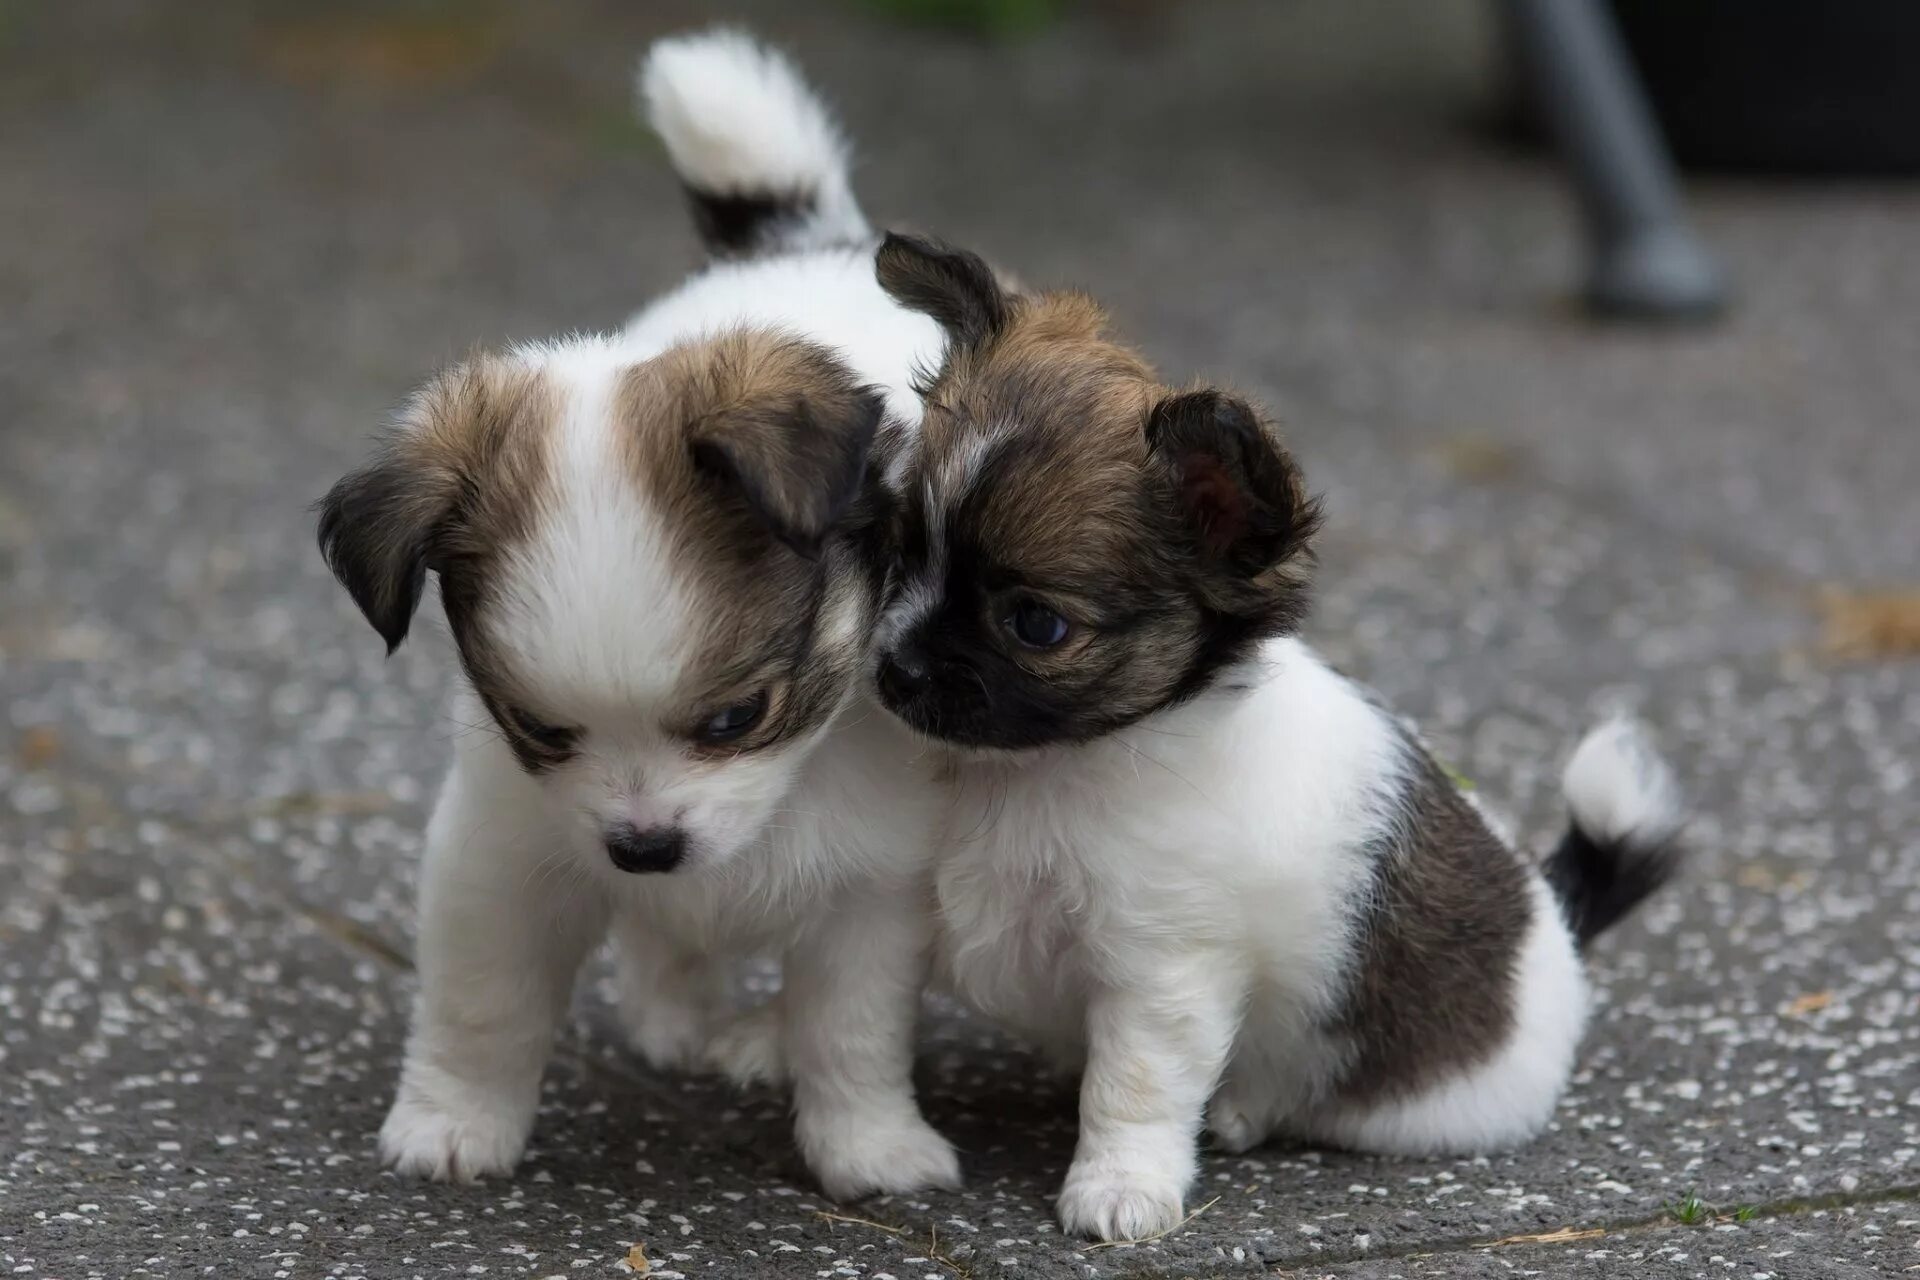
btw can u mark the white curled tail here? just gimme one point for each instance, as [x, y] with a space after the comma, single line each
[761, 157]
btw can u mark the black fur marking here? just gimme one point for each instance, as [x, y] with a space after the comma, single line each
[1433, 985]
[537, 746]
[741, 225]
[955, 287]
[1599, 882]
[376, 532]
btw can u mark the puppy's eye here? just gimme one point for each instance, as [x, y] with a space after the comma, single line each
[548, 737]
[1036, 626]
[731, 722]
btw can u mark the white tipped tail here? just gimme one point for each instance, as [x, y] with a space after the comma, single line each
[1625, 839]
[1619, 788]
[758, 151]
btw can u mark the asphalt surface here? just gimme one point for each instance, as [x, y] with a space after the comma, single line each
[235, 236]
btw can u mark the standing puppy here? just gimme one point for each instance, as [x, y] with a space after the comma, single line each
[1187, 853]
[660, 560]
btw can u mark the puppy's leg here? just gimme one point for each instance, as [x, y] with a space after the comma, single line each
[671, 998]
[1154, 1051]
[850, 1005]
[497, 955]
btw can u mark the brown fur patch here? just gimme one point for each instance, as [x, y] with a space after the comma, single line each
[779, 422]
[1073, 408]
[1433, 983]
[460, 478]
[753, 447]
[485, 432]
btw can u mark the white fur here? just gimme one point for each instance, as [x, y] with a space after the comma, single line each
[514, 894]
[738, 120]
[790, 853]
[1176, 906]
[1619, 788]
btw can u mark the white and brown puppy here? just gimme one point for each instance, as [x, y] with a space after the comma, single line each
[1187, 854]
[659, 558]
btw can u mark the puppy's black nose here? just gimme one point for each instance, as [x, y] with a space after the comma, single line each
[655, 849]
[903, 675]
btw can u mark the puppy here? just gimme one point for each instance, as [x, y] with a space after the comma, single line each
[1186, 853]
[660, 560]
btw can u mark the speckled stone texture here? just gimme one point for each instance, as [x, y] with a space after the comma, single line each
[235, 235]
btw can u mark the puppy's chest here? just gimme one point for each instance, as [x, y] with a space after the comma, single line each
[1036, 904]
[1010, 939]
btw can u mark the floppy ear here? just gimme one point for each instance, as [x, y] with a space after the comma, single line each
[376, 532]
[1239, 492]
[796, 462]
[379, 524]
[953, 286]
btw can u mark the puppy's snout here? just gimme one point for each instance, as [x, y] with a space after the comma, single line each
[655, 849]
[903, 675]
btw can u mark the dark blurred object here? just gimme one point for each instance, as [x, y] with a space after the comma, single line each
[1645, 261]
[999, 18]
[1782, 86]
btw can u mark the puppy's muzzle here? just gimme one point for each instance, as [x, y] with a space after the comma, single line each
[655, 849]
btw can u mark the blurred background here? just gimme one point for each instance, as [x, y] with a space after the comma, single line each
[232, 236]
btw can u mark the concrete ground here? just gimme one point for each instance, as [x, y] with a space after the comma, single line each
[235, 235]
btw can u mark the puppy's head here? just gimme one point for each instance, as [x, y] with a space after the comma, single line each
[1078, 545]
[660, 576]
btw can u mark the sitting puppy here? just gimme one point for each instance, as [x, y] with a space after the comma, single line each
[660, 558]
[1186, 853]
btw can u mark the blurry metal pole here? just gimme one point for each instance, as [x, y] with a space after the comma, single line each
[1646, 260]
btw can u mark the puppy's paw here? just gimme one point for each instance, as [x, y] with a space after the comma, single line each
[748, 1050]
[1236, 1123]
[1119, 1204]
[424, 1139]
[880, 1157]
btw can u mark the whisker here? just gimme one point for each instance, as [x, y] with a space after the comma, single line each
[1140, 755]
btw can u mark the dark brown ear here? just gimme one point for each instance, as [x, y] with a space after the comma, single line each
[380, 525]
[797, 462]
[1240, 493]
[953, 286]
[376, 531]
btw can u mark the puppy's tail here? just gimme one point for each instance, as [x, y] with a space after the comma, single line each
[761, 158]
[1624, 841]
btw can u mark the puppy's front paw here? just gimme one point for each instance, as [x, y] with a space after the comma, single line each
[1232, 1129]
[1237, 1122]
[424, 1139]
[862, 1157]
[748, 1050]
[1112, 1204]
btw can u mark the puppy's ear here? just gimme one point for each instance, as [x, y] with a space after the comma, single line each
[953, 286]
[1241, 496]
[376, 527]
[379, 524]
[797, 462]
